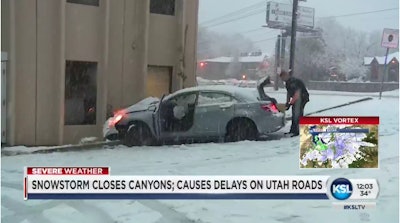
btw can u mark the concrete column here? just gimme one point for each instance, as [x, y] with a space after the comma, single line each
[61, 84]
[50, 71]
[104, 76]
[115, 57]
[5, 47]
[23, 72]
[135, 43]
[179, 73]
[191, 14]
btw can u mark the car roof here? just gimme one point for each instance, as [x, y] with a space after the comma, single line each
[243, 93]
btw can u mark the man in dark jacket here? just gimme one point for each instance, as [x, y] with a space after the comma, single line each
[297, 98]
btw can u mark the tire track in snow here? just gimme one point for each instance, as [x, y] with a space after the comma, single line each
[35, 213]
[169, 214]
[257, 154]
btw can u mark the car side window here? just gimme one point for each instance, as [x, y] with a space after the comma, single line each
[184, 99]
[213, 98]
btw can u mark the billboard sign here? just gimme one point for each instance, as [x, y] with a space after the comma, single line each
[279, 16]
[390, 38]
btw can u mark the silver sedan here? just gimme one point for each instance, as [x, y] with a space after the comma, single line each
[201, 113]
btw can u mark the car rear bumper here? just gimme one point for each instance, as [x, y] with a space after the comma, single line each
[271, 123]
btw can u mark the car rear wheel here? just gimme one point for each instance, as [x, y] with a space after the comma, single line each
[241, 129]
[138, 135]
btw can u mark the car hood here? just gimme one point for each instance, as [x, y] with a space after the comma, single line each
[143, 105]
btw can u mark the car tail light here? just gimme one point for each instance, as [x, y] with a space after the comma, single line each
[270, 108]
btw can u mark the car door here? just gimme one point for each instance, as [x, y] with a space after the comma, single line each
[213, 111]
[177, 121]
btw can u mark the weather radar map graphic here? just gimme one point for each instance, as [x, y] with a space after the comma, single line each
[330, 143]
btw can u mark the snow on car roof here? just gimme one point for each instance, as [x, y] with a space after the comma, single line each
[247, 93]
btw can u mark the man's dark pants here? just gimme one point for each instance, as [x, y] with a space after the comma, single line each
[297, 112]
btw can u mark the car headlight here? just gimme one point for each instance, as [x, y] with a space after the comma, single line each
[117, 117]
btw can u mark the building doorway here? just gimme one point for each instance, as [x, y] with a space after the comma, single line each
[159, 81]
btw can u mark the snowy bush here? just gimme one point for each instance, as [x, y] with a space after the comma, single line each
[336, 150]
[352, 68]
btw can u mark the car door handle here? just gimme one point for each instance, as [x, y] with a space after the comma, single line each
[223, 106]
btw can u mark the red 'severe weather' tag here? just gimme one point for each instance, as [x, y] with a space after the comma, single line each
[338, 120]
[68, 171]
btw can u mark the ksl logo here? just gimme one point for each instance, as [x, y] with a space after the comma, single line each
[341, 189]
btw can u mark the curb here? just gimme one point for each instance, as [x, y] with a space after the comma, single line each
[69, 148]
[352, 94]
[96, 145]
[342, 105]
[337, 106]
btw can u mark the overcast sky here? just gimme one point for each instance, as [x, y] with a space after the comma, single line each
[211, 9]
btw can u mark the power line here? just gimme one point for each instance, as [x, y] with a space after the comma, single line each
[264, 40]
[262, 10]
[234, 13]
[359, 13]
[255, 12]
[268, 39]
[354, 14]
[253, 30]
[244, 32]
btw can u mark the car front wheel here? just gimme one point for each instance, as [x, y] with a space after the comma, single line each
[138, 135]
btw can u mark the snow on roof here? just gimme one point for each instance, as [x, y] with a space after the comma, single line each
[368, 60]
[220, 60]
[381, 60]
[243, 59]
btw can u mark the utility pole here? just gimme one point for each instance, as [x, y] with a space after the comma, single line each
[277, 61]
[384, 73]
[282, 54]
[293, 36]
[283, 48]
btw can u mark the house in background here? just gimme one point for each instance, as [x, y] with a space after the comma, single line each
[377, 68]
[248, 66]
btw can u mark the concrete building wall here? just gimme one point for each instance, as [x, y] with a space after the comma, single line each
[23, 71]
[122, 37]
[5, 25]
[5, 47]
[135, 41]
[49, 60]
[163, 46]
[115, 59]
[84, 41]
[191, 14]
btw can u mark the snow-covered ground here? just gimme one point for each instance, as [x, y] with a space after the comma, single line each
[318, 101]
[276, 157]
